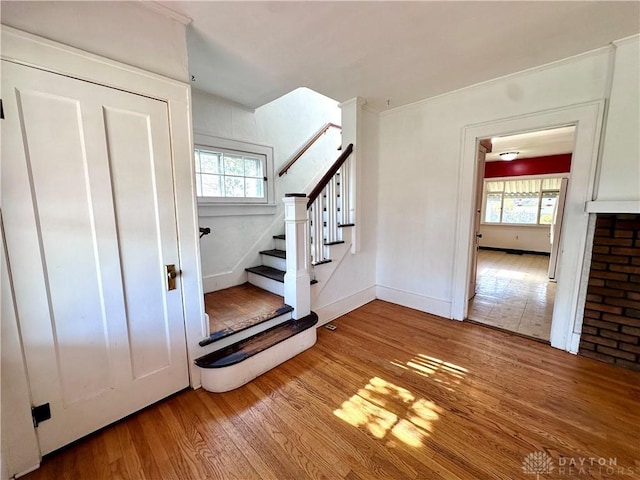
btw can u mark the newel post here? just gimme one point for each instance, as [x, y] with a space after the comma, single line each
[297, 289]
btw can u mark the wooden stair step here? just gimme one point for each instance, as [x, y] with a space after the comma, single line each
[246, 324]
[275, 253]
[272, 273]
[249, 347]
[268, 272]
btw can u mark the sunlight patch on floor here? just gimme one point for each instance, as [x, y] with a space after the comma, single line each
[500, 273]
[447, 374]
[386, 410]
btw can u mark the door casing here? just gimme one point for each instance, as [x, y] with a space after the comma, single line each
[569, 302]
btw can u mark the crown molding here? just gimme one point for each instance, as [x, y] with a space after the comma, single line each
[166, 11]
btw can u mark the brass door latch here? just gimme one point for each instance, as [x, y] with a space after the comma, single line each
[172, 273]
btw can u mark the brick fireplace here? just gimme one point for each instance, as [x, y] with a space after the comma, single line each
[611, 327]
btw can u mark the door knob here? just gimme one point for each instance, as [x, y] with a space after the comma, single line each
[172, 273]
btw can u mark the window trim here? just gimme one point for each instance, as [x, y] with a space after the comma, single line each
[224, 206]
[541, 192]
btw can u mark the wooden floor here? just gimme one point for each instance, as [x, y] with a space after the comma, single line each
[239, 307]
[391, 394]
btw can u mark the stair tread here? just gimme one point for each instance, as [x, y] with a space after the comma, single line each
[272, 273]
[321, 262]
[251, 322]
[251, 346]
[275, 253]
[269, 272]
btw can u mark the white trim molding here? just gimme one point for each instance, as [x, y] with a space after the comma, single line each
[612, 206]
[333, 310]
[417, 301]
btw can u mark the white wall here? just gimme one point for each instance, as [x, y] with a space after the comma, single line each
[533, 238]
[420, 163]
[620, 165]
[122, 31]
[285, 124]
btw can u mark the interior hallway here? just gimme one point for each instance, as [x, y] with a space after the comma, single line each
[513, 292]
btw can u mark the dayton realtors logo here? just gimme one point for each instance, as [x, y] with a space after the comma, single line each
[537, 463]
[541, 463]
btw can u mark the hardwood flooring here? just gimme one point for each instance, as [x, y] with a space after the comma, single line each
[240, 307]
[393, 394]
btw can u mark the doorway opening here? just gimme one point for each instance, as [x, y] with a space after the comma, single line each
[521, 187]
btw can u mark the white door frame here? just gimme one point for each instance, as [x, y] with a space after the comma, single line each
[567, 312]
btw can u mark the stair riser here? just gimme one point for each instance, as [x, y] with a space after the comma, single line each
[280, 244]
[267, 284]
[274, 262]
[249, 332]
[229, 378]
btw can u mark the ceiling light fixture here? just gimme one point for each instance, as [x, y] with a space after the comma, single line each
[509, 155]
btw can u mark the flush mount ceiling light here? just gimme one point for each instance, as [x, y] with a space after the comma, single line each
[509, 155]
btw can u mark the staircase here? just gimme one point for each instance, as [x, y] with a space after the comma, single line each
[314, 225]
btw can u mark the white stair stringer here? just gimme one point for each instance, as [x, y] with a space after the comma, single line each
[325, 271]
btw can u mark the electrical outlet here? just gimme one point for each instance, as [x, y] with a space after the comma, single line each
[330, 327]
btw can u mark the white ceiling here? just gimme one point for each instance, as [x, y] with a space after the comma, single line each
[534, 144]
[400, 52]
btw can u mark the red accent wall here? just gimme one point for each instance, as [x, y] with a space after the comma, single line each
[528, 166]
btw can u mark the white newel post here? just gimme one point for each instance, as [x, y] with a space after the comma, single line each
[297, 288]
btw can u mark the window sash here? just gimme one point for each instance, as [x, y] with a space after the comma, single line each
[520, 191]
[221, 171]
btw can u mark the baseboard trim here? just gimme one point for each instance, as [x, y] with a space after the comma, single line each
[220, 281]
[434, 306]
[345, 305]
[515, 251]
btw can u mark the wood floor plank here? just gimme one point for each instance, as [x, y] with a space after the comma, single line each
[392, 394]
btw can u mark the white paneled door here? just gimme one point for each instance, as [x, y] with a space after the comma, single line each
[89, 214]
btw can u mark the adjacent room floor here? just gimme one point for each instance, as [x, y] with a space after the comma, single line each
[393, 394]
[513, 292]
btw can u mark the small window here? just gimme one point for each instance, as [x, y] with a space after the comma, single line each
[223, 174]
[233, 177]
[521, 201]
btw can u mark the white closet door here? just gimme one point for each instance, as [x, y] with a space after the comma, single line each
[88, 207]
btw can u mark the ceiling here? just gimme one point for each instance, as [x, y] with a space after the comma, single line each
[534, 144]
[390, 52]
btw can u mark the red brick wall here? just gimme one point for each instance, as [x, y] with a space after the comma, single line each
[611, 327]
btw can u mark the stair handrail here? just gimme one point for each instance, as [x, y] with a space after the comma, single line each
[307, 145]
[329, 175]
